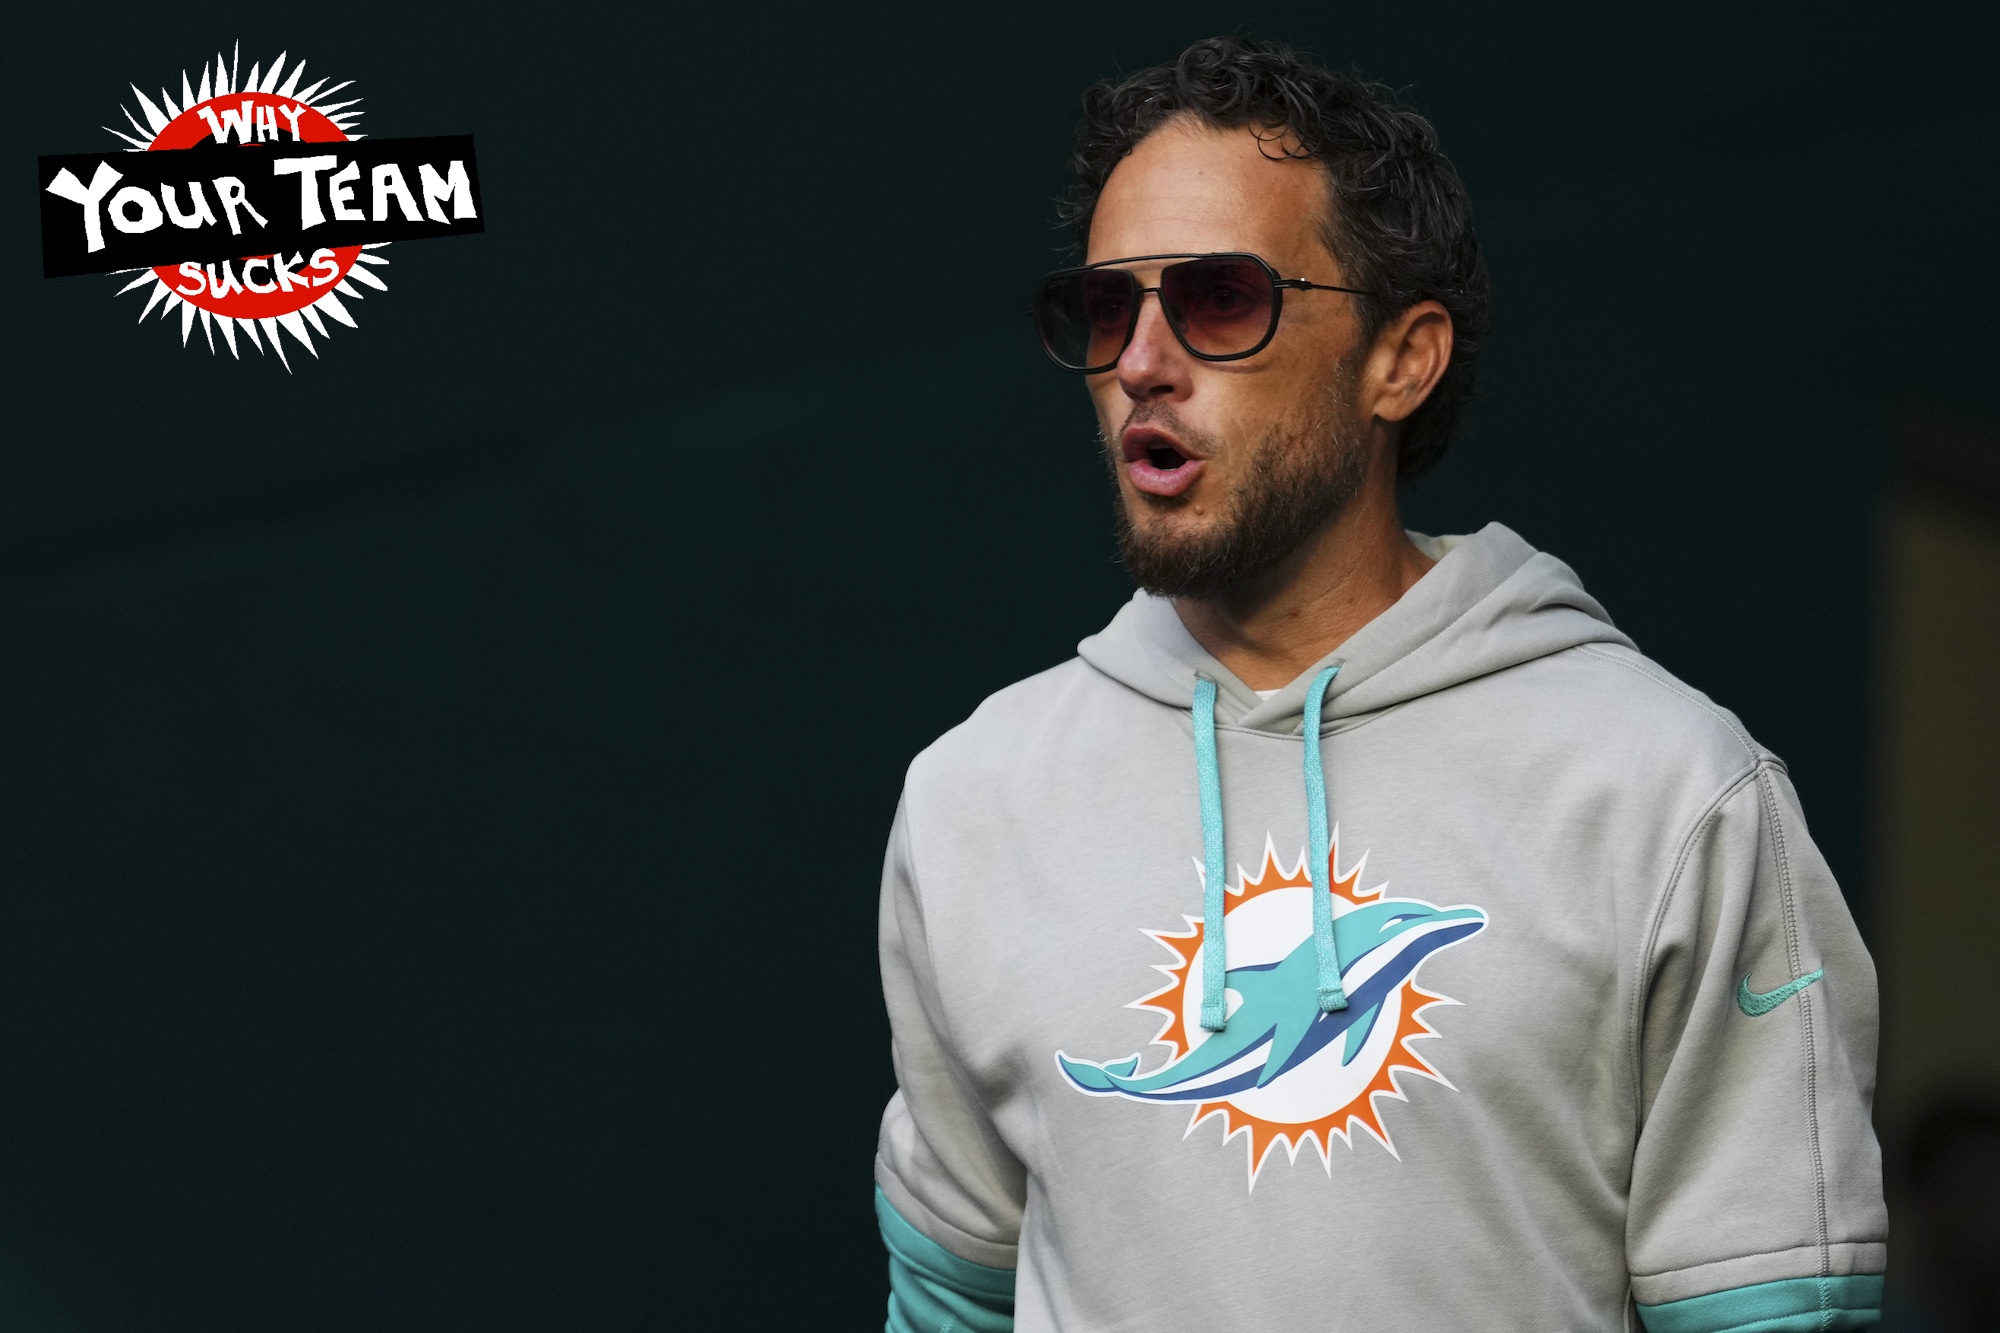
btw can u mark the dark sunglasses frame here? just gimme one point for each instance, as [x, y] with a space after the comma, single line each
[1278, 288]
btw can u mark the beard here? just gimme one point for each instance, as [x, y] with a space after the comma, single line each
[1298, 476]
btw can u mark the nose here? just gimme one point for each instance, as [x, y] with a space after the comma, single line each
[1154, 364]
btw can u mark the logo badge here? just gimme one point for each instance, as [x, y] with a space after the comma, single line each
[1281, 1071]
[250, 204]
[1755, 1005]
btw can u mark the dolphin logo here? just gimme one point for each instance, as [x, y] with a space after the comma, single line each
[1278, 1024]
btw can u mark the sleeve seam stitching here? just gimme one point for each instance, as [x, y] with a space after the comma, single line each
[1760, 1254]
[1736, 783]
[1789, 908]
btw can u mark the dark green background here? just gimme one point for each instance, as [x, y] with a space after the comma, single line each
[444, 785]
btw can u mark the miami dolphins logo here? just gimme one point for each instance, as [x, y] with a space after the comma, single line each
[1281, 1071]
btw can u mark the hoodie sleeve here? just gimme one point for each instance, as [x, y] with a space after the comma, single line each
[1756, 1199]
[949, 1193]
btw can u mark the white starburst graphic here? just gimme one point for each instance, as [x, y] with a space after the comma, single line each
[302, 292]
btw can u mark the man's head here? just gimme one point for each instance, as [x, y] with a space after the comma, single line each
[1225, 468]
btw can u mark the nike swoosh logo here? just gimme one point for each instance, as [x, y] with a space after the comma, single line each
[1754, 1004]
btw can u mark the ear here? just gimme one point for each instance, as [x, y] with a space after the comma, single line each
[1409, 358]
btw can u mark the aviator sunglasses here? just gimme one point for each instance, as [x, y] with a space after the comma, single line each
[1222, 307]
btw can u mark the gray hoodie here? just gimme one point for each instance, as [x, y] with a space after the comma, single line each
[1608, 1033]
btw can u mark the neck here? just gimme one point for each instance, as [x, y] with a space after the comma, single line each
[1353, 569]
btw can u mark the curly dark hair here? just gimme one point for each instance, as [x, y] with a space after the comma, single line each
[1398, 218]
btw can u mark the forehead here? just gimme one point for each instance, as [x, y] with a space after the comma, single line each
[1192, 188]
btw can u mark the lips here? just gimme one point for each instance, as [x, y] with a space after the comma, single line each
[1157, 463]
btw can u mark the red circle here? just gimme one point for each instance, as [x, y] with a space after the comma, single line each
[188, 129]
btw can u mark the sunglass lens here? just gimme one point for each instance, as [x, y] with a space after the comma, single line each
[1222, 307]
[1085, 317]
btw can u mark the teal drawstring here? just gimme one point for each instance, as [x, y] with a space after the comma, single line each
[1214, 1003]
[1208, 775]
[1332, 995]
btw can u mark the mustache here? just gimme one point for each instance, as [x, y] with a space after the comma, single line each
[1157, 414]
[1164, 417]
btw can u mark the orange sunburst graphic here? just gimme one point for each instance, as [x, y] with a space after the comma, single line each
[1388, 1042]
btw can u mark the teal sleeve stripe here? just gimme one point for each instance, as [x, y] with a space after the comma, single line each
[1798, 1305]
[932, 1290]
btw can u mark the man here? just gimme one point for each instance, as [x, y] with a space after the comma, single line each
[1360, 933]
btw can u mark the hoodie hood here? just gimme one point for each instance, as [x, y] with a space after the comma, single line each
[1491, 602]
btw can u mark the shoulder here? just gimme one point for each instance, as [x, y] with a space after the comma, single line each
[1014, 727]
[1608, 697]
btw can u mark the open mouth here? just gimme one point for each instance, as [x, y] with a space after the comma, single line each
[1156, 463]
